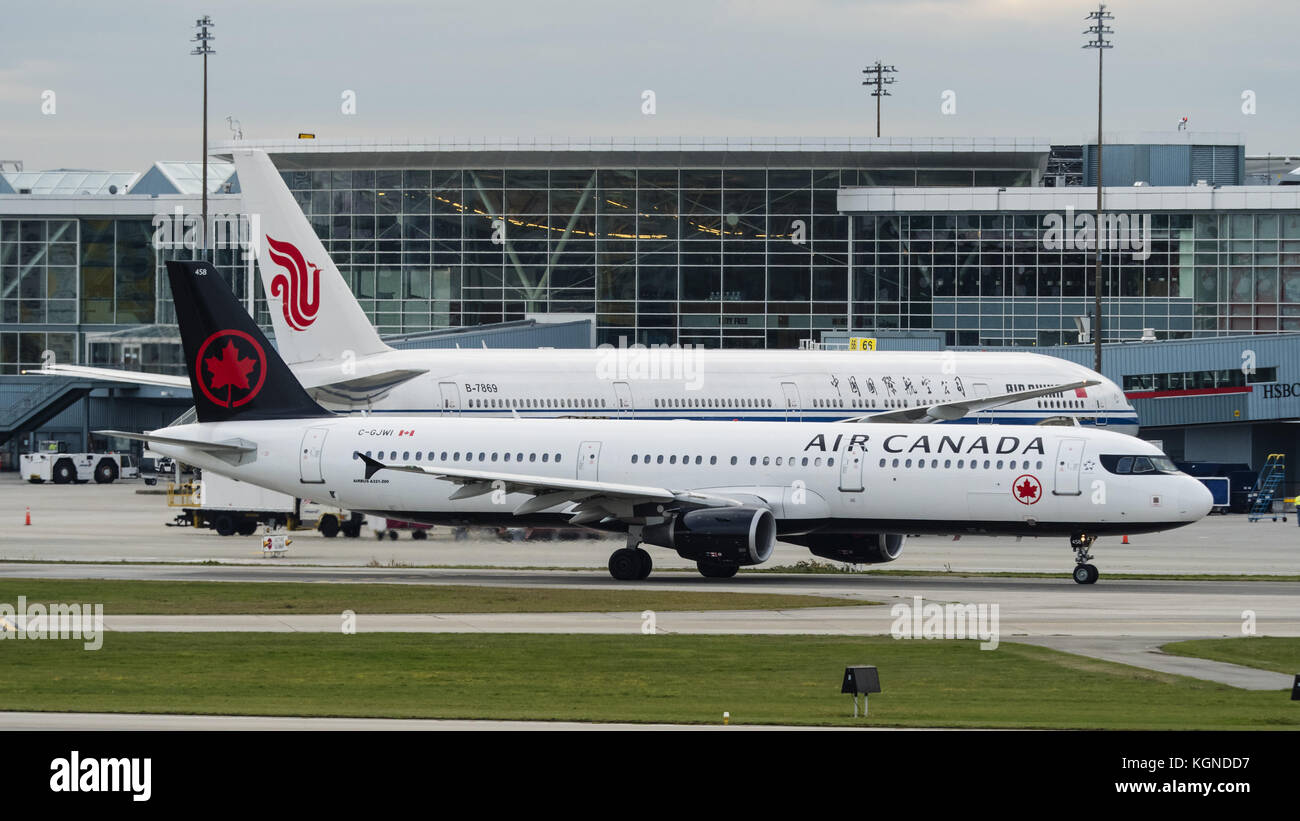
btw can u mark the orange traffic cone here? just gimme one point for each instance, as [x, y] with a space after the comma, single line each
[28, 519]
[1125, 539]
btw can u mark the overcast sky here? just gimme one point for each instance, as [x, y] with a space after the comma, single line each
[128, 92]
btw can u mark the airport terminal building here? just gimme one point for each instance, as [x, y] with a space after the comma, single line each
[761, 243]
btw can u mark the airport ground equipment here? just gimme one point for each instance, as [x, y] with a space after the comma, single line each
[1220, 488]
[1270, 481]
[51, 462]
[864, 680]
[229, 507]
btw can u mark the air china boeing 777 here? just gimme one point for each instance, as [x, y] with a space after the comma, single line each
[324, 335]
[719, 493]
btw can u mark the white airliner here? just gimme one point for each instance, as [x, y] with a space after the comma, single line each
[719, 493]
[334, 351]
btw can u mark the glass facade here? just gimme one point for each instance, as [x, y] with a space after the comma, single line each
[681, 247]
[997, 279]
[720, 257]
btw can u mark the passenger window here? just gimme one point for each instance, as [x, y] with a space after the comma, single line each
[659, 460]
[672, 460]
[546, 457]
[557, 457]
[830, 463]
[532, 457]
[699, 459]
[1040, 465]
[733, 460]
[494, 456]
[778, 461]
[882, 463]
[766, 460]
[805, 462]
[406, 455]
[634, 458]
[908, 463]
[753, 460]
[947, 463]
[999, 464]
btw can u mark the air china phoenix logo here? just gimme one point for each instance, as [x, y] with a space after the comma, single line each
[299, 291]
[231, 368]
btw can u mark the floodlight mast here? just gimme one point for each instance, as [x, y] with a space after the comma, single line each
[877, 79]
[203, 38]
[1098, 31]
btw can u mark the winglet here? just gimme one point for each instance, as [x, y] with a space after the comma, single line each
[373, 466]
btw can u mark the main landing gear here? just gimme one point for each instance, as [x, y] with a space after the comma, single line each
[631, 563]
[1084, 573]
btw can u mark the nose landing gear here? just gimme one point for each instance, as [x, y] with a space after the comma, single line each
[1084, 573]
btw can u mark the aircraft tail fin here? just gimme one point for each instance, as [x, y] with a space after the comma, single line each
[234, 371]
[313, 310]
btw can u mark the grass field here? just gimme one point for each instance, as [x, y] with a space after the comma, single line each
[1279, 654]
[690, 679]
[280, 598]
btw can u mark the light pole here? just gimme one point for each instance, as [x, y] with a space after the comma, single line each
[1098, 30]
[878, 83]
[203, 37]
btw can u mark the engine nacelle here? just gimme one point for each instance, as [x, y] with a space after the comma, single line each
[855, 548]
[734, 535]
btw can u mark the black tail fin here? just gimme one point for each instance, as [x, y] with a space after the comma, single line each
[234, 371]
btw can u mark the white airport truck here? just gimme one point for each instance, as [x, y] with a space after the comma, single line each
[53, 463]
[229, 506]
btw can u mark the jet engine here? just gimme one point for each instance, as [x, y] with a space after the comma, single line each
[855, 548]
[731, 535]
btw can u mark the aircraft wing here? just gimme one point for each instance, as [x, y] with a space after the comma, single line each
[113, 375]
[594, 500]
[947, 411]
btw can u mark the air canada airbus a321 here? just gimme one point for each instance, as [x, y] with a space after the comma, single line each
[718, 493]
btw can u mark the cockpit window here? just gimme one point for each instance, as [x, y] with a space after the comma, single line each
[1141, 465]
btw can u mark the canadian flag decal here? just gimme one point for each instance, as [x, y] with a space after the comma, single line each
[406, 433]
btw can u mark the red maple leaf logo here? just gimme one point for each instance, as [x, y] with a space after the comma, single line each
[230, 370]
[1027, 490]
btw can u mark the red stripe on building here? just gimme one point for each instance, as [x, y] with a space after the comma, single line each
[1188, 392]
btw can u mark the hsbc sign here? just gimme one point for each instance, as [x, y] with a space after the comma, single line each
[1282, 391]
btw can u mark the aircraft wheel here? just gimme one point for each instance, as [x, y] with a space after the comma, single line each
[647, 563]
[1086, 574]
[625, 565]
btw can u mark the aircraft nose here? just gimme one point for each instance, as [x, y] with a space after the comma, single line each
[1195, 500]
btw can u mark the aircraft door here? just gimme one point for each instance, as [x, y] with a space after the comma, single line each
[309, 461]
[851, 464]
[1069, 458]
[791, 393]
[589, 461]
[623, 399]
[450, 397]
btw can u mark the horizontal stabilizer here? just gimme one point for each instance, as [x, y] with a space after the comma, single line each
[161, 380]
[361, 388]
[229, 446]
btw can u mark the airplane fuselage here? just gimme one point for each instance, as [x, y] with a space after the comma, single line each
[787, 386]
[815, 477]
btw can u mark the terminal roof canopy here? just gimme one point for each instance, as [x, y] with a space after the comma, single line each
[186, 178]
[68, 182]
